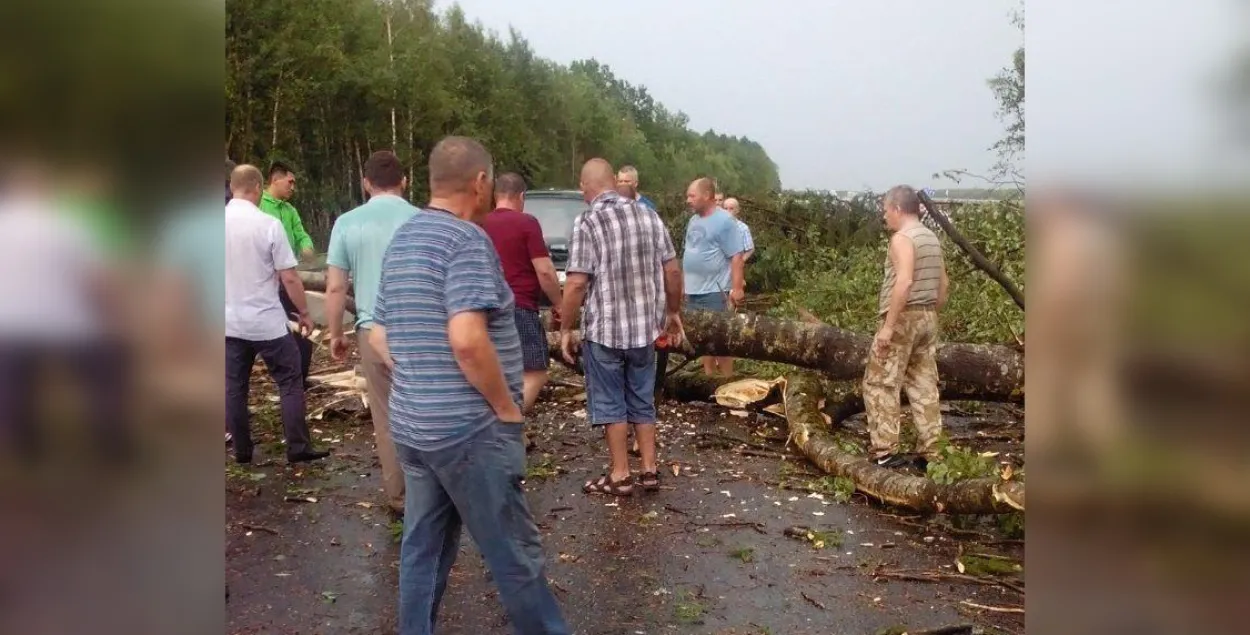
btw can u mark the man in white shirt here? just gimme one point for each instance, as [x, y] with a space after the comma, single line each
[258, 256]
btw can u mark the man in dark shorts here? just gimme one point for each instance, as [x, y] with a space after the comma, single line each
[623, 265]
[518, 239]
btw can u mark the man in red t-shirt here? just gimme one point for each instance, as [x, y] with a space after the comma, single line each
[527, 265]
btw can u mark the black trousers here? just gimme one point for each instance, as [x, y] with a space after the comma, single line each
[282, 358]
[305, 345]
[102, 374]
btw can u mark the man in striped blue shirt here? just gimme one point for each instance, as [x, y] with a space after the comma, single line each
[444, 322]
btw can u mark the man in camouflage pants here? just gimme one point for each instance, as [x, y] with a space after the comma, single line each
[904, 351]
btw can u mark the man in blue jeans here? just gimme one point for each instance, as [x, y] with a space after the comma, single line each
[713, 262]
[623, 265]
[443, 323]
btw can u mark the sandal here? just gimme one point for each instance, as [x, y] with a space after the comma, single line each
[649, 481]
[605, 485]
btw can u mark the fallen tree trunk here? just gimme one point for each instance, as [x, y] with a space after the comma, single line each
[316, 281]
[810, 432]
[978, 371]
[974, 372]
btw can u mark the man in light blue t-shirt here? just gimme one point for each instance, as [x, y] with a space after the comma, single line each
[712, 262]
[358, 245]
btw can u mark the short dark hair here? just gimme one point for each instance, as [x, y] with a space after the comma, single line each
[903, 197]
[384, 170]
[455, 162]
[509, 184]
[278, 168]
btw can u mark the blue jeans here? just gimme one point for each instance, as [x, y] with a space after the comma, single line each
[477, 483]
[620, 384]
[715, 302]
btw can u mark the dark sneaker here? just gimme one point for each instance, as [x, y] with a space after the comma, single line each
[243, 458]
[305, 457]
[890, 461]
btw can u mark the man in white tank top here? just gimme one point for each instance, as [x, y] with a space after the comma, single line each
[904, 351]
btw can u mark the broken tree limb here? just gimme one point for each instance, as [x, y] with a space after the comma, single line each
[977, 258]
[979, 371]
[810, 432]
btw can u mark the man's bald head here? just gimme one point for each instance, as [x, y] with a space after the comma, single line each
[246, 183]
[731, 206]
[457, 165]
[597, 178]
[701, 195]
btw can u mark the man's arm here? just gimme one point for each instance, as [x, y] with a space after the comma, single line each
[673, 283]
[903, 255]
[737, 272]
[295, 289]
[479, 361]
[336, 299]
[303, 242]
[540, 257]
[377, 339]
[548, 280]
[471, 291]
[574, 294]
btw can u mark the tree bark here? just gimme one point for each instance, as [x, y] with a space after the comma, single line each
[978, 259]
[979, 371]
[316, 281]
[810, 432]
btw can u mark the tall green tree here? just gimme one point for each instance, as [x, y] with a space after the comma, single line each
[1008, 89]
[323, 83]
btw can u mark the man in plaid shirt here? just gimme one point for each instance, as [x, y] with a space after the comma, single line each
[623, 266]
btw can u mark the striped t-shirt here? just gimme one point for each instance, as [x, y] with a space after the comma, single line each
[437, 266]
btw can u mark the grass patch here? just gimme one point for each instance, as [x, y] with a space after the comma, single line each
[840, 488]
[236, 472]
[687, 609]
[397, 531]
[982, 566]
[542, 469]
[745, 554]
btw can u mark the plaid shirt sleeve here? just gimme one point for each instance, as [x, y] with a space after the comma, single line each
[583, 252]
[665, 246]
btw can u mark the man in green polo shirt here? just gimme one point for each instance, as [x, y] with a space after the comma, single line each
[275, 201]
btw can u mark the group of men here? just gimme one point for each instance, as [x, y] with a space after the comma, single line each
[455, 353]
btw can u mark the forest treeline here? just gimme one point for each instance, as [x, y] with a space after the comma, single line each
[322, 83]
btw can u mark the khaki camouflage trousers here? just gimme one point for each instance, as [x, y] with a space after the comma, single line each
[909, 363]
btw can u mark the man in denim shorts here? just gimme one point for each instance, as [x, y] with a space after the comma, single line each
[623, 266]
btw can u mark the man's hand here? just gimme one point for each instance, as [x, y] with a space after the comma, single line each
[306, 325]
[338, 348]
[555, 317]
[736, 297]
[511, 415]
[569, 344]
[881, 343]
[673, 328]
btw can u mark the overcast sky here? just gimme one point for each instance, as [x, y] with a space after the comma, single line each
[841, 94]
[850, 94]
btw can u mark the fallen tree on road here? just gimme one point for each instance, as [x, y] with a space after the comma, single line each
[810, 432]
[981, 372]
